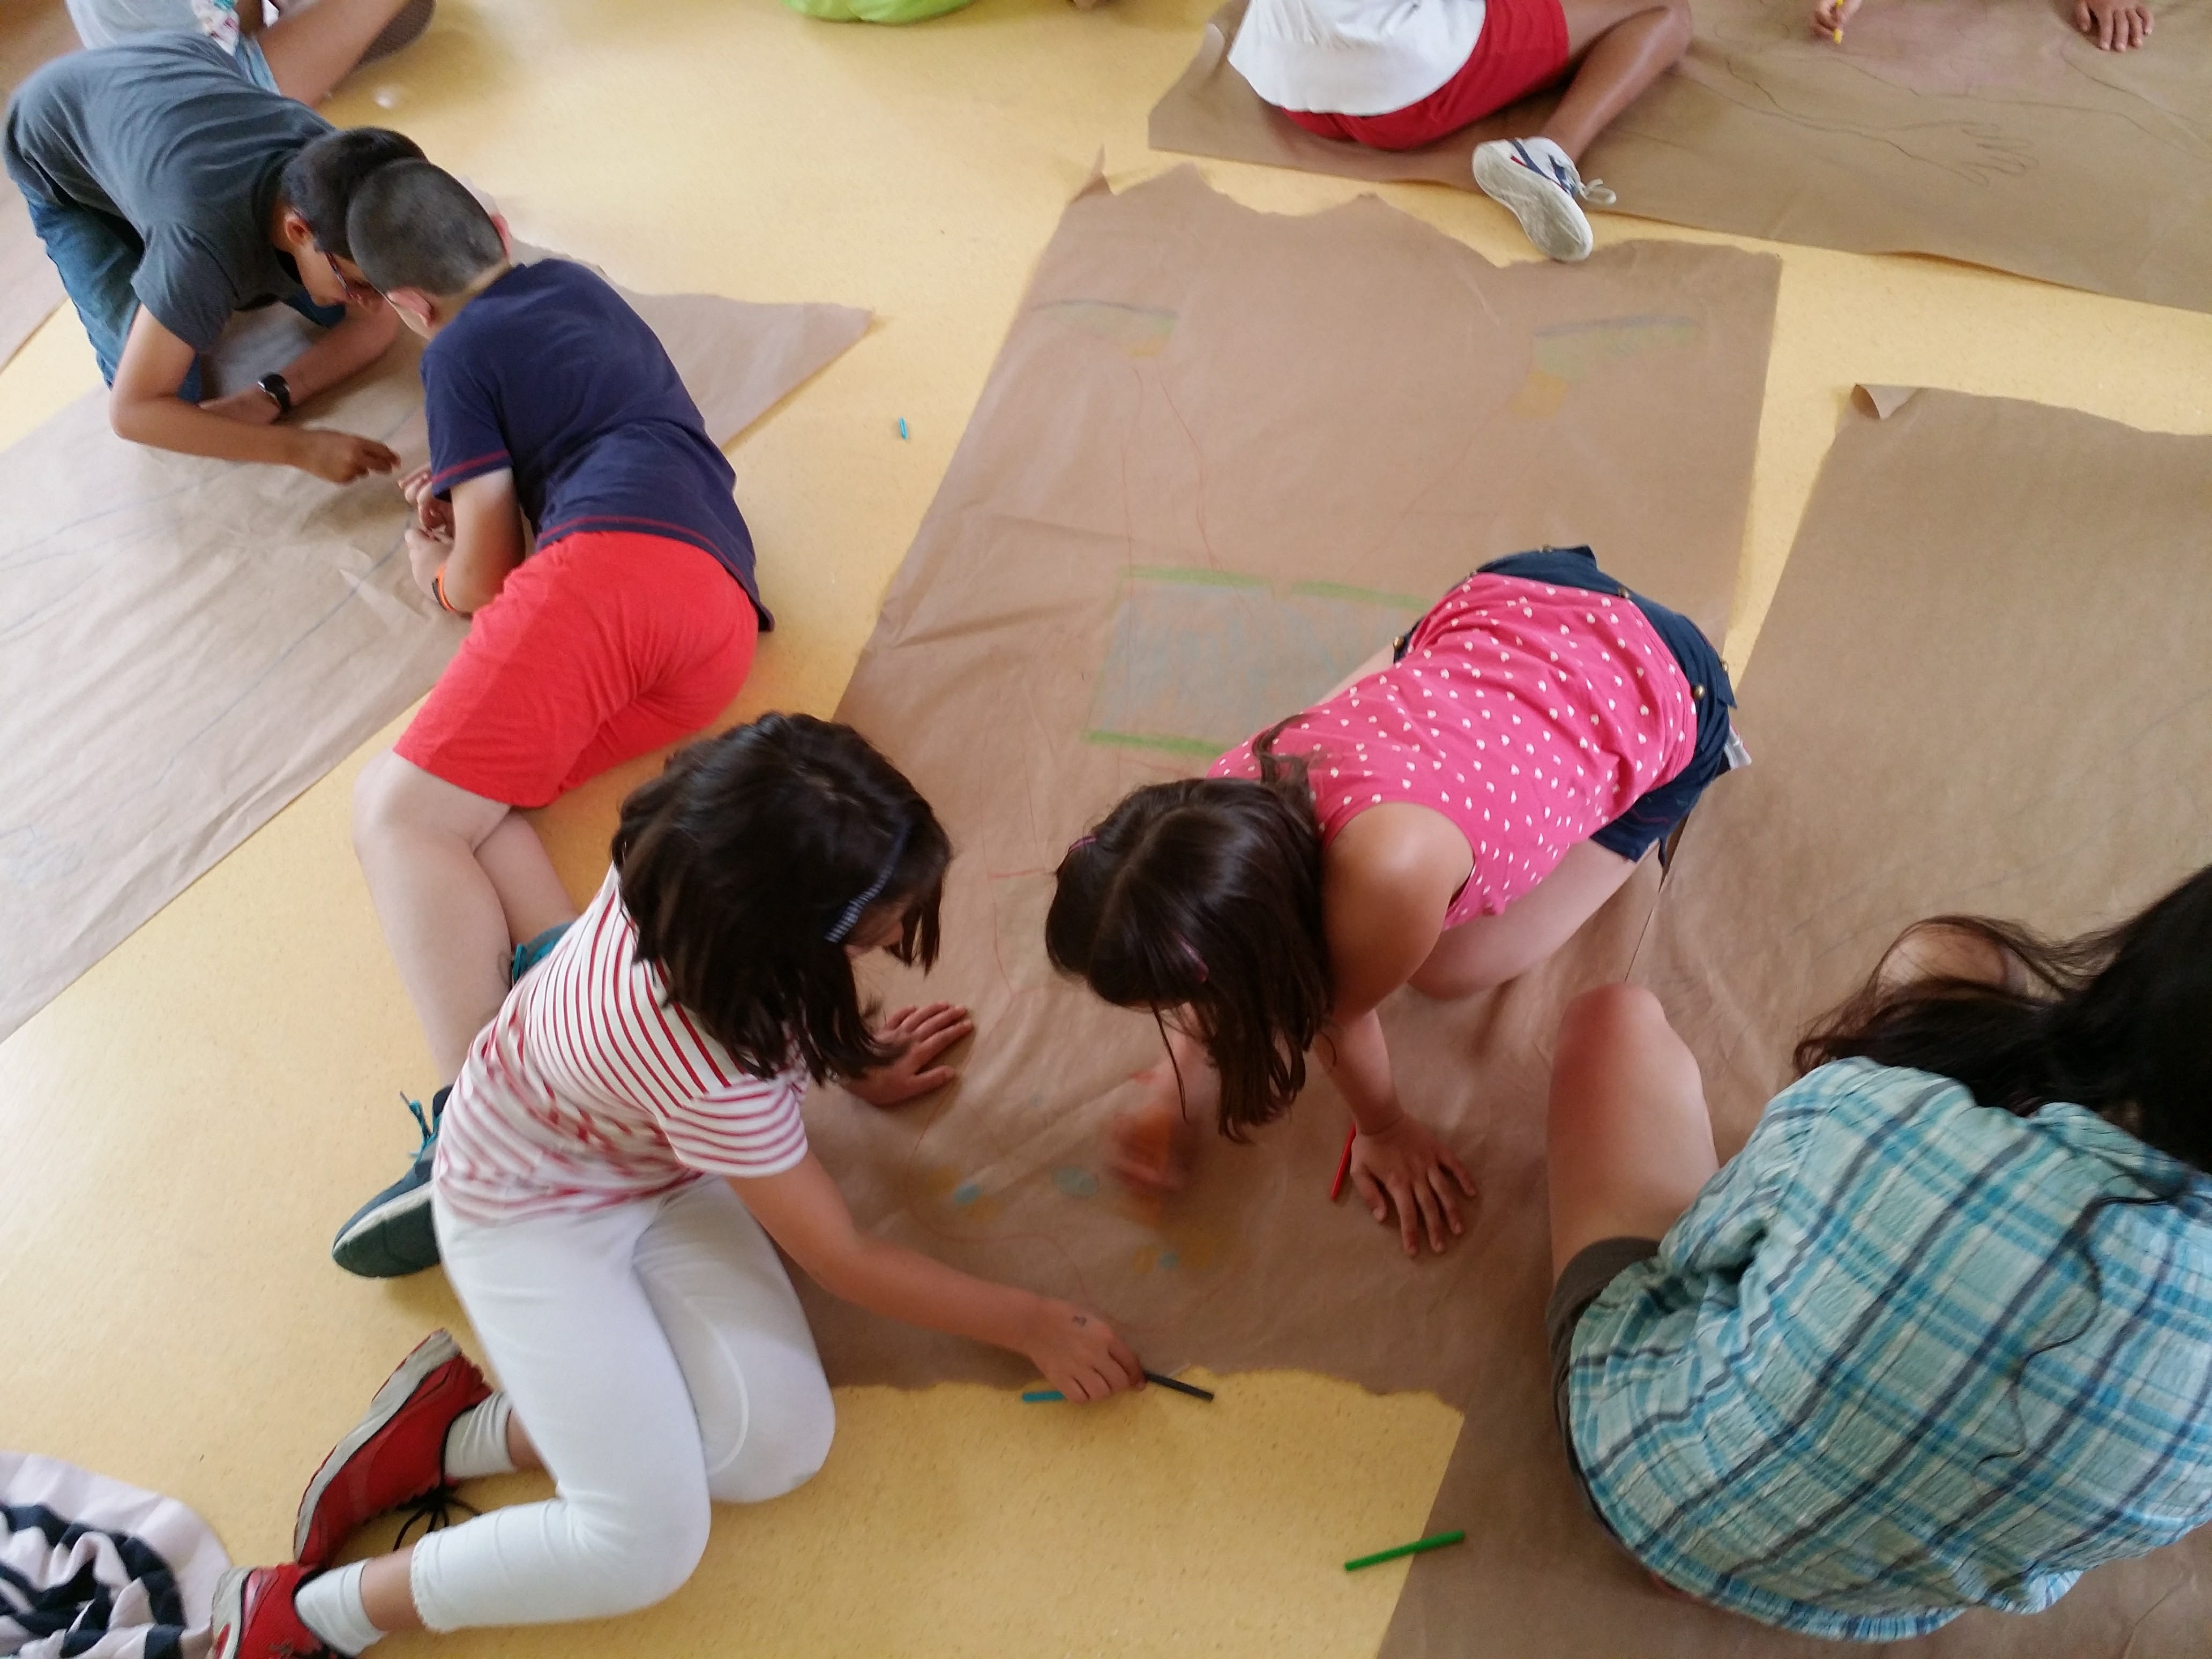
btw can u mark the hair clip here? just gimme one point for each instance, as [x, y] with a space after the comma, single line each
[849, 917]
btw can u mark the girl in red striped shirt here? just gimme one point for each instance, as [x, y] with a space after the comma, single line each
[621, 1146]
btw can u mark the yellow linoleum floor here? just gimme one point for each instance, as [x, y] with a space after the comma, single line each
[180, 1132]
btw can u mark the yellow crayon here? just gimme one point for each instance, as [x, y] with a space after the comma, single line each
[1836, 35]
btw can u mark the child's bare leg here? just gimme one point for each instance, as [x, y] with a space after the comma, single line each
[1619, 47]
[530, 891]
[444, 907]
[312, 48]
[1630, 1141]
[1491, 950]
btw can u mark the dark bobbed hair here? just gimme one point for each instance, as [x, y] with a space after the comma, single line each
[413, 225]
[319, 181]
[2118, 1021]
[1206, 895]
[736, 864]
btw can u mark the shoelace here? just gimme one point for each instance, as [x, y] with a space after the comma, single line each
[1594, 190]
[434, 1511]
[1563, 174]
[422, 1122]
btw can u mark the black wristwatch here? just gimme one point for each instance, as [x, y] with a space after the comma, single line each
[280, 392]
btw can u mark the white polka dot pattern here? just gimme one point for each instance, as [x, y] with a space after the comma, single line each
[1530, 715]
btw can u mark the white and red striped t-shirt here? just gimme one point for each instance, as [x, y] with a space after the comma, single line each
[589, 1087]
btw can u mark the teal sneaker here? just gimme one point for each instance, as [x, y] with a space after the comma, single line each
[391, 1235]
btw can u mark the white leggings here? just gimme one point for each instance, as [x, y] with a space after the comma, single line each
[658, 1360]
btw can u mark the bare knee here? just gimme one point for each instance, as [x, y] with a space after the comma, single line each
[376, 800]
[1606, 1018]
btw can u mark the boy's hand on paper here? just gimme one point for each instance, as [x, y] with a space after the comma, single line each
[431, 513]
[1079, 1354]
[1407, 1169]
[426, 557]
[2114, 25]
[920, 1035]
[250, 407]
[340, 457]
[1830, 16]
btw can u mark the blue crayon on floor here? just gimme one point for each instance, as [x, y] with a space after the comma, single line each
[901, 426]
[1038, 1396]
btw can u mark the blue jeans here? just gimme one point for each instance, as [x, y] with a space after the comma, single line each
[97, 257]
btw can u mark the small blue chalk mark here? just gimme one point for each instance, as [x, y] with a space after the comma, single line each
[1169, 1259]
[902, 427]
[966, 1192]
[1076, 1184]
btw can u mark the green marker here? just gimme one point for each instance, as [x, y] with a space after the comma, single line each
[1038, 1396]
[1414, 1548]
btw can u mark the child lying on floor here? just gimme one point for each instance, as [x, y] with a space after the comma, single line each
[1940, 1336]
[631, 625]
[1447, 818]
[1398, 74]
[623, 1144]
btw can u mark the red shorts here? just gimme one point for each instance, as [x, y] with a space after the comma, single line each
[1523, 49]
[598, 648]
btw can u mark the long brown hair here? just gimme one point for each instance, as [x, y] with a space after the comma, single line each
[739, 864]
[1205, 895]
[2118, 1021]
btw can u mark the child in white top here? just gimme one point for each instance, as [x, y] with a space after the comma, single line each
[623, 1144]
[1399, 74]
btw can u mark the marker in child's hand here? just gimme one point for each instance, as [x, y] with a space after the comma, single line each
[1343, 1166]
[1836, 35]
[1416, 1547]
[1039, 1396]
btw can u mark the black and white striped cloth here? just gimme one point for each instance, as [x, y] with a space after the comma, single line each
[93, 1569]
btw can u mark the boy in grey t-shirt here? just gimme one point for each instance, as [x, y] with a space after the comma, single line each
[171, 192]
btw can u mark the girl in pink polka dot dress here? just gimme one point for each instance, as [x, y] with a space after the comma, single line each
[1446, 818]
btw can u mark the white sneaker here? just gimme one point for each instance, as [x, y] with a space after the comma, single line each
[1533, 180]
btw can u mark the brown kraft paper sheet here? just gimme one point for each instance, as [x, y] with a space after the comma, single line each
[187, 644]
[1985, 131]
[1224, 456]
[1983, 687]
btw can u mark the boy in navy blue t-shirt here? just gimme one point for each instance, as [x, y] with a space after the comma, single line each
[551, 405]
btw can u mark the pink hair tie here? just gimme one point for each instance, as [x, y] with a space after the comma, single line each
[1080, 843]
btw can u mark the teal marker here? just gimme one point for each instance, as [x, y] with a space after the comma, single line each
[1038, 1396]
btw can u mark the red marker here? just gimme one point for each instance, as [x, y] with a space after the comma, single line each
[1343, 1166]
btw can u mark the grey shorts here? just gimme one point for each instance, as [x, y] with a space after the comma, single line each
[1587, 1272]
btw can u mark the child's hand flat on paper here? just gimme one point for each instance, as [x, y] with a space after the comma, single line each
[2114, 25]
[921, 1035]
[1407, 1169]
[432, 514]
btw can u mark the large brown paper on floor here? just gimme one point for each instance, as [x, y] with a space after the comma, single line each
[1222, 457]
[1986, 130]
[31, 31]
[185, 645]
[1982, 687]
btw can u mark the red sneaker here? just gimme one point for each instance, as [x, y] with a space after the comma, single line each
[254, 1618]
[395, 1453]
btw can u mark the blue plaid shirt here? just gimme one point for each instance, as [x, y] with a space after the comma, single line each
[1897, 1360]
